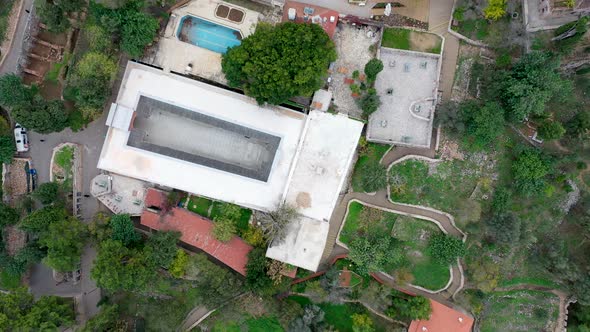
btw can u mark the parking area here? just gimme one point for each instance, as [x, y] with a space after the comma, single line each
[354, 45]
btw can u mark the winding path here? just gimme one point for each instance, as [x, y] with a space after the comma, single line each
[382, 201]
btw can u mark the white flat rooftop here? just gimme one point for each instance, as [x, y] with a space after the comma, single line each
[324, 160]
[303, 159]
[118, 157]
[304, 244]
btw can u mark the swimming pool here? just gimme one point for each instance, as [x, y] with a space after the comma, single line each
[209, 35]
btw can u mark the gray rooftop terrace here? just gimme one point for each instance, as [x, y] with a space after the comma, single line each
[197, 138]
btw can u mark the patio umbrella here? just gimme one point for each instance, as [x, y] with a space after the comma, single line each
[387, 11]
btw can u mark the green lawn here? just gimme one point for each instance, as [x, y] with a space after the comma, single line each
[360, 217]
[446, 186]
[415, 234]
[530, 281]
[372, 152]
[351, 222]
[9, 281]
[522, 310]
[264, 324]
[396, 38]
[199, 205]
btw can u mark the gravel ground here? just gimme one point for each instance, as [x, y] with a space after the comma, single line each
[16, 179]
[352, 45]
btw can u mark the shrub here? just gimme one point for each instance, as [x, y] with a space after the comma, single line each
[445, 249]
[47, 193]
[179, 264]
[224, 229]
[495, 9]
[372, 68]
[7, 149]
[373, 177]
[370, 103]
[550, 130]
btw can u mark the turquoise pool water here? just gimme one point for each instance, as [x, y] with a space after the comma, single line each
[211, 36]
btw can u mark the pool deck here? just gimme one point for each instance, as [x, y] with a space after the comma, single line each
[175, 55]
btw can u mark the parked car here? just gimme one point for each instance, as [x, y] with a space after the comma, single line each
[21, 138]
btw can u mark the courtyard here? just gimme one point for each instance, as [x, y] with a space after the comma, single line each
[408, 87]
[355, 47]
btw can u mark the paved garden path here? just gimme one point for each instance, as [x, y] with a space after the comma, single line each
[381, 200]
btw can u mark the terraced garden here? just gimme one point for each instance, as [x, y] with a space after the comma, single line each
[519, 310]
[414, 233]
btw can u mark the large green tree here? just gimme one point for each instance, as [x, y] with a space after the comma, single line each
[375, 250]
[91, 81]
[445, 249]
[42, 116]
[13, 93]
[532, 82]
[39, 221]
[47, 193]
[161, 248]
[8, 215]
[483, 124]
[123, 229]
[256, 270]
[120, 268]
[20, 312]
[64, 241]
[7, 149]
[279, 62]
[529, 170]
[416, 307]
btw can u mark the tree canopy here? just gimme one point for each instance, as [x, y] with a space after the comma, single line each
[446, 249]
[13, 93]
[47, 192]
[91, 80]
[39, 221]
[483, 124]
[529, 170]
[120, 268]
[532, 82]
[42, 116]
[161, 248]
[20, 312]
[374, 251]
[279, 62]
[64, 241]
[7, 149]
[123, 229]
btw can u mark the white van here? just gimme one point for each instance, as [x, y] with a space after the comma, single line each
[21, 138]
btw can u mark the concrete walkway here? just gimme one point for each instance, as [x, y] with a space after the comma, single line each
[438, 22]
[381, 200]
[10, 63]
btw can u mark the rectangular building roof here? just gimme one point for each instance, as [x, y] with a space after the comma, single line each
[185, 122]
[443, 319]
[324, 160]
[307, 13]
[159, 167]
[304, 244]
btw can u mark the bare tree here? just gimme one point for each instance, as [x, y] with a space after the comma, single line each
[274, 223]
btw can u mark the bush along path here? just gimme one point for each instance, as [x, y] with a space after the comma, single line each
[382, 201]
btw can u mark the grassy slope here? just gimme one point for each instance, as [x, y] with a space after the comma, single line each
[519, 311]
[373, 151]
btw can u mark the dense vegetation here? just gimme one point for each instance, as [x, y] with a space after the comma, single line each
[280, 62]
